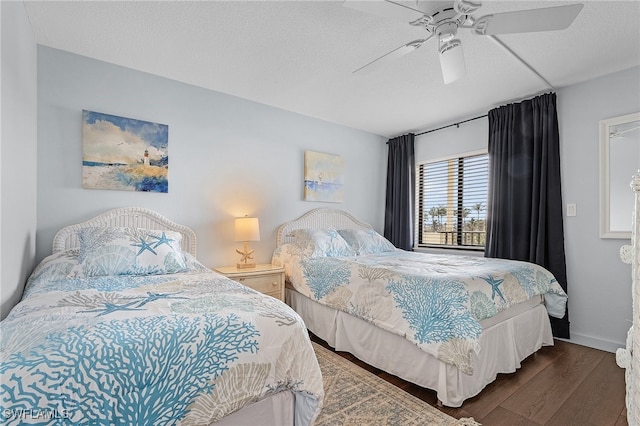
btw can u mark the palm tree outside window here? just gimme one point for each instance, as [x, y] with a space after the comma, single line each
[452, 201]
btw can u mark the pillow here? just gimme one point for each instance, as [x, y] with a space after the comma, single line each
[287, 253]
[55, 267]
[130, 251]
[321, 243]
[366, 241]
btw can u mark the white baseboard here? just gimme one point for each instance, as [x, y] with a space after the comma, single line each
[594, 342]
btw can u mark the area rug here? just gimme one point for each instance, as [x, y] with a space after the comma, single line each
[354, 396]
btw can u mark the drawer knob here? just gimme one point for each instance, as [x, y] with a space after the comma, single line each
[275, 283]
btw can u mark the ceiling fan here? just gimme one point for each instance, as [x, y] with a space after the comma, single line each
[441, 19]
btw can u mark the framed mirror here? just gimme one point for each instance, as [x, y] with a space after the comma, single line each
[619, 161]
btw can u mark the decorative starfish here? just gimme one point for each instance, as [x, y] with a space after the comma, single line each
[143, 246]
[494, 283]
[162, 240]
[246, 255]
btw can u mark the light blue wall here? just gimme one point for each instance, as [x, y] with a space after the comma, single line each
[227, 156]
[453, 141]
[599, 283]
[17, 153]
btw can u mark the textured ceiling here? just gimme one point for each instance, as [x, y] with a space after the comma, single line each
[299, 55]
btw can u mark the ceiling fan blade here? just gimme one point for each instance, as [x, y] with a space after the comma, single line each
[452, 61]
[524, 21]
[391, 56]
[404, 11]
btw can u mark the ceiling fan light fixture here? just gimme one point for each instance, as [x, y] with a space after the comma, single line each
[452, 61]
[446, 32]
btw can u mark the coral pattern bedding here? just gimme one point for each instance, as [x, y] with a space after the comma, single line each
[435, 301]
[187, 348]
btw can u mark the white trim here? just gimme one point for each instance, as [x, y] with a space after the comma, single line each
[605, 218]
[593, 342]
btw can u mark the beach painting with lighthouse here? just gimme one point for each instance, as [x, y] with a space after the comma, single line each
[124, 153]
[323, 177]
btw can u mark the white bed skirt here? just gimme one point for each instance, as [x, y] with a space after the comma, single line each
[504, 345]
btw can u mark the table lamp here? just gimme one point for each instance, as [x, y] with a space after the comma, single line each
[246, 229]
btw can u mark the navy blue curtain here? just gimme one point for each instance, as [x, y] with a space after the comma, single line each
[524, 208]
[400, 200]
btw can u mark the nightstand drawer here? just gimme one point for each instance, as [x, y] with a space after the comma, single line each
[265, 278]
[264, 283]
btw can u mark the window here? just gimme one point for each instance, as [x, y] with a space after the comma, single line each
[452, 202]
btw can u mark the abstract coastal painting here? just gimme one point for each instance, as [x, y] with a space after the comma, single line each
[124, 154]
[323, 177]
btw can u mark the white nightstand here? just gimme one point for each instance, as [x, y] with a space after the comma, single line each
[265, 278]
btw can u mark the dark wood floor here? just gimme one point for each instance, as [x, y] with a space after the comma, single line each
[566, 384]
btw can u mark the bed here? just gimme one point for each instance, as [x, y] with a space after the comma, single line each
[122, 325]
[452, 330]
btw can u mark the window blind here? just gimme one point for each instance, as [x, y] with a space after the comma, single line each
[452, 202]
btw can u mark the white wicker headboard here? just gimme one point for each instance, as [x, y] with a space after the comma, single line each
[139, 217]
[321, 218]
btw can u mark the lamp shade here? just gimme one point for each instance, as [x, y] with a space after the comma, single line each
[247, 229]
[452, 61]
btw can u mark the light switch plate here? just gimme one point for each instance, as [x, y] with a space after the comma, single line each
[571, 210]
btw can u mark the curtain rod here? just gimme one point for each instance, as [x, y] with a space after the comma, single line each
[451, 125]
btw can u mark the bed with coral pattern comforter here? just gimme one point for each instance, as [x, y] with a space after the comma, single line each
[434, 301]
[185, 348]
